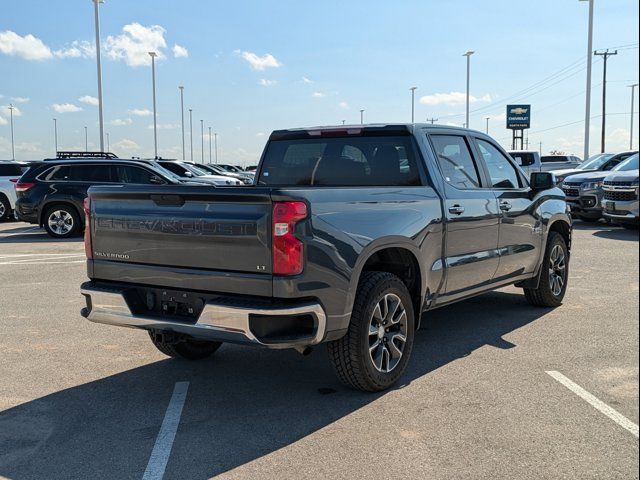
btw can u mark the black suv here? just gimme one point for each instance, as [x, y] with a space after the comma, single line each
[51, 193]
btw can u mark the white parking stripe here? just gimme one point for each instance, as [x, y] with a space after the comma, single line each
[162, 449]
[596, 403]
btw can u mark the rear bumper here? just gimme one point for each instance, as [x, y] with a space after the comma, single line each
[217, 321]
[26, 212]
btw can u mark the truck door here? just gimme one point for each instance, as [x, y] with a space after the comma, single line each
[471, 217]
[520, 238]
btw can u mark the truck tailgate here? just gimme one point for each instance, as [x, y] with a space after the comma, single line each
[190, 227]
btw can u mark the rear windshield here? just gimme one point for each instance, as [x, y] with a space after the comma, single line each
[524, 159]
[12, 170]
[554, 158]
[341, 161]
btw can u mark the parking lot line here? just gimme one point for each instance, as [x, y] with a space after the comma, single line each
[596, 403]
[162, 448]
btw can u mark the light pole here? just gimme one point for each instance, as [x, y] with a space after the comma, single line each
[487, 119]
[182, 117]
[209, 144]
[362, 117]
[343, 122]
[86, 139]
[587, 108]
[153, 85]
[540, 144]
[633, 89]
[191, 133]
[108, 147]
[605, 55]
[468, 55]
[215, 140]
[55, 134]
[202, 141]
[96, 4]
[413, 108]
[13, 147]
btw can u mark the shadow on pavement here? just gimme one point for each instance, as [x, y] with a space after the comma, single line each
[31, 234]
[243, 404]
[608, 231]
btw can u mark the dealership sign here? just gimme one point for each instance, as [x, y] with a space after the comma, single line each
[518, 117]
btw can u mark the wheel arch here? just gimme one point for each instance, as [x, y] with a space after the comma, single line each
[65, 202]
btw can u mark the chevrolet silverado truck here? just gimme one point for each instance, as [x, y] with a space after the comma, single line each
[348, 236]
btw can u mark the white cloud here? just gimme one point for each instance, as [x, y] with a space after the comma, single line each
[27, 47]
[141, 112]
[307, 80]
[77, 49]
[3, 121]
[318, 95]
[267, 83]
[164, 126]
[344, 105]
[89, 100]
[452, 98]
[65, 108]
[121, 122]
[16, 111]
[21, 99]
[135, 43]
[126, 144]
[179, 51]
[260, 62]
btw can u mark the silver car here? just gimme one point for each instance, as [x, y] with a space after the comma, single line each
[620, 202]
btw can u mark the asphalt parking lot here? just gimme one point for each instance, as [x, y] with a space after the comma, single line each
[82, 400]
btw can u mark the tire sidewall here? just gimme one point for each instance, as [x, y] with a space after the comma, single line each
[555, 239]
[71, 211]
[389, 285]
[7, 209]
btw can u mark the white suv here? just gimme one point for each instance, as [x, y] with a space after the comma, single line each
[10, 172]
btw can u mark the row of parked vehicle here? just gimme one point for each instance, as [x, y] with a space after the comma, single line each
[51, 192]
[605, 186]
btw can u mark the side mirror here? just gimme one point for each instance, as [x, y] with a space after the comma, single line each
[187, 173]
[155, 180]
[542, 181]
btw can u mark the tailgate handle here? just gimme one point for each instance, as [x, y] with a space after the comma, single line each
[176, 200]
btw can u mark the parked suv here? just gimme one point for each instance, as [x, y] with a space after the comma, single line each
[190, 171]
[10, 172]
[349, 234]
[51, 193]
[554, 162]
[603, 162]
[620, 200]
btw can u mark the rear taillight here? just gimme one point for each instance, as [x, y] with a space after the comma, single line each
[14, 180]
[23, 186]
[288, 251]
[88, 250]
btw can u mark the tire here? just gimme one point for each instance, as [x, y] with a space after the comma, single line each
[5, 209]
[186, 349]
[61, 221]
[353, 355]
[548, 294]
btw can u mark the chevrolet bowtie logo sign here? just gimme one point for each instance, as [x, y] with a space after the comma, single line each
[518, 117]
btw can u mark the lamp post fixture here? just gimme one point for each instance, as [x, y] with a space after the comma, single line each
[55, 134]
[633, 89]
[96, 4]
[182, 118]
[413, 93]
[468, 55]
[86, 139]
[108, 147]
[202, 141]
[191, 134]
[13, 146]
[215, 140]
[487, 119]
[153, 86]
[587, 107]
[209, 144]
[362, 117]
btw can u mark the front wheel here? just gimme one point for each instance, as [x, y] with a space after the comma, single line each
[376, 348]
[5, 208]
[554, 275]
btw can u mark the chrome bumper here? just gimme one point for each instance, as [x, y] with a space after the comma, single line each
[217, 322]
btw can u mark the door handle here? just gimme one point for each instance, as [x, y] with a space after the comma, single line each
[505, 206]
[456, 209]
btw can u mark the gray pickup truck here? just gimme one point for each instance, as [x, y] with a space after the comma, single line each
[347, 237]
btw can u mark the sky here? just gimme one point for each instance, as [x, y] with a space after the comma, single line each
[250, 67]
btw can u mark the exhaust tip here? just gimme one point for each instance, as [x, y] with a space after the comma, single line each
[304, 351]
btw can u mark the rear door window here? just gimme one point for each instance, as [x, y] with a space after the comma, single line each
[90, 173]
[131, 174]
[455, 161]
[58, 173]
[341, 161]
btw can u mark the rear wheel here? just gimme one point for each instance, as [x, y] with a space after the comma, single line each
[5, 208]
[554, 275]
[189, 349]
[376, 349]
[61, 221]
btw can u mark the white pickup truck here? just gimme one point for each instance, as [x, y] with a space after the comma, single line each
[10, 172]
